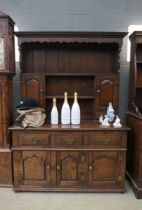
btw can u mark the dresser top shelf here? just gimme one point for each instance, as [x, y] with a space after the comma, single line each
[69, 37]
[90, 126]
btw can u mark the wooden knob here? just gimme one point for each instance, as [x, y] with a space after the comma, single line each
[48, 167]
[90, 168]
[58, 168]
[41, 91]
[98, 91]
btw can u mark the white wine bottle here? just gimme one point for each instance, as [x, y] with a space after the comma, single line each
[65, 111]
[75, 111]
[54, 113]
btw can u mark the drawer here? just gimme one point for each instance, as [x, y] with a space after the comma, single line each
[105, 140]
[32, 139]
[67, 140]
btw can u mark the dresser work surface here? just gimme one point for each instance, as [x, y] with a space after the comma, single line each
[81, 158]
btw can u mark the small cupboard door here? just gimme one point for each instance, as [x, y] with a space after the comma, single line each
[107, 90]
[72, 168]
[32, 168]
[32, 86]
[105, 169]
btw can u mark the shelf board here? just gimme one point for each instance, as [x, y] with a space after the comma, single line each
[70, 97]
[139, 86]
[139, 62]
[70, 74]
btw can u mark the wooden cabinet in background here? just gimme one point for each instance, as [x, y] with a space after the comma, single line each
[134, 155]
[5, 167]
[7, 54]
[5, 109]
[134, 115]
[7, 69]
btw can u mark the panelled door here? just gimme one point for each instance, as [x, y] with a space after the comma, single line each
[72, 168]
[32, 86]
[32, 168]
[107, 87]
[105, 169]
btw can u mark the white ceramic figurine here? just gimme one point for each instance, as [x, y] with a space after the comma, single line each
[117, 123]
[105, 122]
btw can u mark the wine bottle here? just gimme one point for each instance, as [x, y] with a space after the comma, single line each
[65, 111]
[54, 113]
[75, 111]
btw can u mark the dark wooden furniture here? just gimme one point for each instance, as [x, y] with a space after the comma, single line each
[86, 62]
[70, 158]
[7, 69]
[134, 115]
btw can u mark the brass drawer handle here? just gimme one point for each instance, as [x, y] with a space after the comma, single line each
[34, 141]
[70, 140]
[105, 140]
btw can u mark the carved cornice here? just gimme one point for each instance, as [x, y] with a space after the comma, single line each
[70, 37]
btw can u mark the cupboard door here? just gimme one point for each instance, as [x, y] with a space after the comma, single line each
[71, 170]
[32, 86]
[106, 169]
[32, 168]
[107, 87]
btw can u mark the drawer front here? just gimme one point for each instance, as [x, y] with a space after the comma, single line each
[105, 140]
[66, 140]
[33, 139]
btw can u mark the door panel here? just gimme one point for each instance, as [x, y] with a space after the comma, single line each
[107, 87]
[104, 169]
[32, 168]
[30, 82]
[70, 168]
[33, 161]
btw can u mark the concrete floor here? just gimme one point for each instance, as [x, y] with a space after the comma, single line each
[9, 200]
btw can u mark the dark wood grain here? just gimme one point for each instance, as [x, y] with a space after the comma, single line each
[85, 157]
[6, 98]
[134, 157]
[83, 62]
[69, 159]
